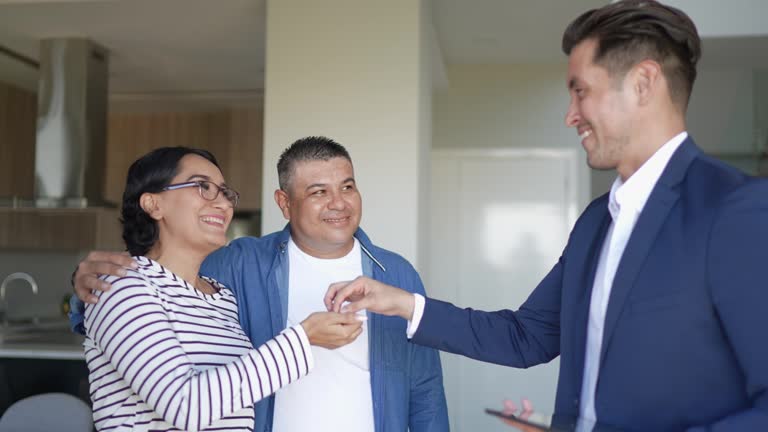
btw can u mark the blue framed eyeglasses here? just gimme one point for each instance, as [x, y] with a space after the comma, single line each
[208, 190]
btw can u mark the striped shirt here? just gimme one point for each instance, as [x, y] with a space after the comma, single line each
[164, 356]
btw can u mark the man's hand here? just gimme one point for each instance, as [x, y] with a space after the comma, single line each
[332, 330]
[525, 414]
[366, 293]
[86, 278]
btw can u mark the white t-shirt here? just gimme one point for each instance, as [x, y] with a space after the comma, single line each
[336, 396]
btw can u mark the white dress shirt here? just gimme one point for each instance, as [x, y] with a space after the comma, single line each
[626, 202]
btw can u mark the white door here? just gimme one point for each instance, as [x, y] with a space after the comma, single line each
[499, 221]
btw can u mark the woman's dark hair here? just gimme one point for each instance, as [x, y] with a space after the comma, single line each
[150, 173]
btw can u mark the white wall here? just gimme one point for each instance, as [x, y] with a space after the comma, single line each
[721, 111]
[718, 18]
[507, 106]
[503, 106]
[431, 69]
[497, 107]
[761, 109]
[353, 71]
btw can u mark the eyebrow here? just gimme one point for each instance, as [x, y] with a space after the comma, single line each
[204, 177]
[314, 185]
[194, 176]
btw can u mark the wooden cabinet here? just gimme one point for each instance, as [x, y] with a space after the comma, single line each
[233, 136]
[60, 229]
[18, 118]
[245, 155]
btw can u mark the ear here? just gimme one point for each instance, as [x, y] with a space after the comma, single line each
[647, 81]
[151, 205]
[283, 201]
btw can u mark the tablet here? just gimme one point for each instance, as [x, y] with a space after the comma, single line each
[531, 424]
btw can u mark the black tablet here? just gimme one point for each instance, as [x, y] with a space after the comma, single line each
[525, 422]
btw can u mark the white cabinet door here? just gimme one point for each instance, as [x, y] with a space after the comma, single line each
[499, 221]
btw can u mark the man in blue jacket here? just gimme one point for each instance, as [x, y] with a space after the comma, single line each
[379, 382]
[657, 306]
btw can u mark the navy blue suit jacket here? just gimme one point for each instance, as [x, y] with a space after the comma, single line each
[684, 346]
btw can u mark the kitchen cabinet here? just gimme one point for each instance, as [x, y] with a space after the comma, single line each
[18, 117]
[60, 229]
[233, 136]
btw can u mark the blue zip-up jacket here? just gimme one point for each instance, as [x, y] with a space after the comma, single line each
[406, 379]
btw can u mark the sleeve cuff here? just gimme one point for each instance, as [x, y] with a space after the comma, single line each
[418, 312]
[305, 345]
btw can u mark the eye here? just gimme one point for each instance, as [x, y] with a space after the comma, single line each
[319, 192]
[205, 185]
[348, 187]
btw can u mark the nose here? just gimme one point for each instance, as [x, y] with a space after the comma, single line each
[222, 202]
[572, 116]
[336, 201]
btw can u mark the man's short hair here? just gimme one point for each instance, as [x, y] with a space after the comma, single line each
[311, 148]
[630, 31]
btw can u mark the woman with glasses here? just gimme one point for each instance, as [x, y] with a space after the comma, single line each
[164, 345]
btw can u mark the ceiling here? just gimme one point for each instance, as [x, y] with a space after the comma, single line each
[214, 49]
[504, 31]
[157, 46]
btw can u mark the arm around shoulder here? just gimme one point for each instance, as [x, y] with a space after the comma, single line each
[130, 326]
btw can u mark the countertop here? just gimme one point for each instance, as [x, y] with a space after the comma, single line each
[49, 340]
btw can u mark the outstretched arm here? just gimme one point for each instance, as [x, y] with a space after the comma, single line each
[522, 338]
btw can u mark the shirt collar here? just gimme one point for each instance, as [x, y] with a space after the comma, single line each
[634, 193]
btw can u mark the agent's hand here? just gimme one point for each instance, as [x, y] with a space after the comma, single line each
[366, 293]
[86, 278]
[525, 414]
[332, 330]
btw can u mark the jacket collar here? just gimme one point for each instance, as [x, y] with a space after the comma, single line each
[650, 222]
[365, 243]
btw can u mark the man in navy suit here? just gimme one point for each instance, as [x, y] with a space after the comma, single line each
[658, 305]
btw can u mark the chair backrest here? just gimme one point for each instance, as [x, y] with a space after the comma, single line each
[48, 412]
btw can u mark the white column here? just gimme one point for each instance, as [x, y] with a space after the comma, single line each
[359, 73]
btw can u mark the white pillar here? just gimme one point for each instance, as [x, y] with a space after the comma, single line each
[359, 73]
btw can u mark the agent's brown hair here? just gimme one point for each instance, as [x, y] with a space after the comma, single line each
[630, 31]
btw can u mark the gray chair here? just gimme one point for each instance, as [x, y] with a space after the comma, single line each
[48, 412]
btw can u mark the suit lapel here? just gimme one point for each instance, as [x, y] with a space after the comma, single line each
[661, 201]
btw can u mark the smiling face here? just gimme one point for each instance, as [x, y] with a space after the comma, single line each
[323, 205]
[187, 220]
[600, 108]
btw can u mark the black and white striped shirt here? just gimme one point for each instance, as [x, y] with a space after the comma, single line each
[163, 356]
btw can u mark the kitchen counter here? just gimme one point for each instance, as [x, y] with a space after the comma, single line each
[41, 341]
[42, 351]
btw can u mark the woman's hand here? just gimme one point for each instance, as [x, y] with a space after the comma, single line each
[332, 330]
